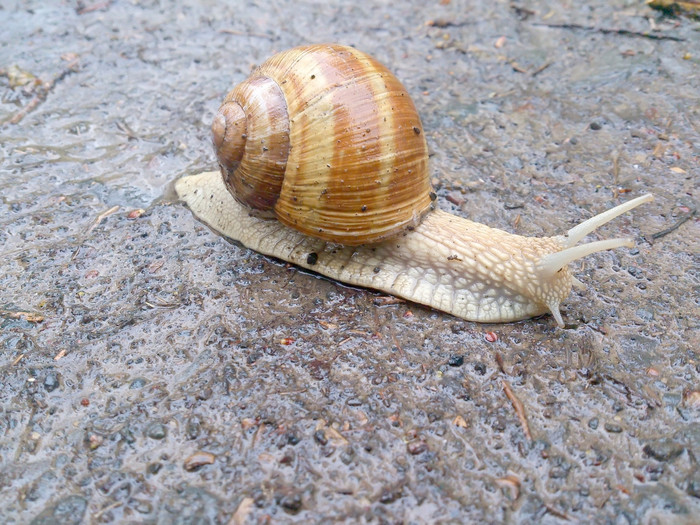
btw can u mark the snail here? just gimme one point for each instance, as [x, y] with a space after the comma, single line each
[324, 164]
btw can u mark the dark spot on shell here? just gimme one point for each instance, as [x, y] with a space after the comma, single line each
[312, 258]
[364, 207]
[416, 130]
[377, 269]
[313, 76]
[433, 196]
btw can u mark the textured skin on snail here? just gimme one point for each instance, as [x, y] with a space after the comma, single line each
[447, 262]
[326, 140]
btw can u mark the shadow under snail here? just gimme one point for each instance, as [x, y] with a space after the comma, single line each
[327, 141]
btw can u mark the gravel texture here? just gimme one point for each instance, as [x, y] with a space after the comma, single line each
[152, 372]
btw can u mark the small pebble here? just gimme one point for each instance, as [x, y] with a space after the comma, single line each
[320, 437]
[94, 441]
[389, 496]
[613, 428]
[291, 503]
[416, 447]
[139, 382]
[691, 398]
[204, 394]
[456, 360]
[156, 431]
[193, 428]
[51, 382]
[663, 449]
[142, 507]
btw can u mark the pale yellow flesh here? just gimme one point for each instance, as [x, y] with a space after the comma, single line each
[448, 263]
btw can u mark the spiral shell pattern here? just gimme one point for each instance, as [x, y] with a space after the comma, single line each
[332, 143]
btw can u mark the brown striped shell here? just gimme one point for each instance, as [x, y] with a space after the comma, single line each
[328, 140]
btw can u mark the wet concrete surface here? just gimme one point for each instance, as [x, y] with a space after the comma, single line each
[152, 372]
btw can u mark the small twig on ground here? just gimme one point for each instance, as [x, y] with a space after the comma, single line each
[541, 68]
[43, 91]
[606, 31]
[556, 513]
[519, 408]
[246, 33]
[499, 362]
[387, 300]
[102, 216]
[523, 13]
[81, 10]
[444, 22]
[677, 225]
[109, 507]
[398, 345]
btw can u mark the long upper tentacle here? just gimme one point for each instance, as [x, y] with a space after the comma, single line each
[575, 234]
[552, 263]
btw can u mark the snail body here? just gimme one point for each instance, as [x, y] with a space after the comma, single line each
[341, 187]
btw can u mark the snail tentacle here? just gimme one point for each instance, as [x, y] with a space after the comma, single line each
[553, 262]
[575, 234]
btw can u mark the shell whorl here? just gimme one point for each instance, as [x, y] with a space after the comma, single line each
[332, 143]
[253, 148]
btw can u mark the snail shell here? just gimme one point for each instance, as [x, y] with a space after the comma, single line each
[327, 139]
